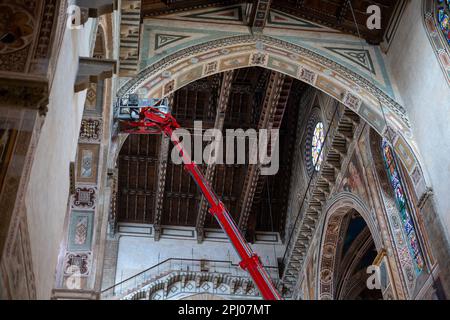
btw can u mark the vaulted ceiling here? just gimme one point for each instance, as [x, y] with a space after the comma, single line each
[154, 190]
[333, 13]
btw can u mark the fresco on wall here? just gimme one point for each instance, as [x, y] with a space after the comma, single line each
[309, 279]
[353, 180]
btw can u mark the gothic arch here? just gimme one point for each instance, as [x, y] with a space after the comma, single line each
[345, 285]
[356, 92]
[337, 208]
[106, 25]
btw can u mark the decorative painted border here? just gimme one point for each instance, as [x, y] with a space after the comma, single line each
[80, 231]
[354, 91]
[438, 43]
[148, 74]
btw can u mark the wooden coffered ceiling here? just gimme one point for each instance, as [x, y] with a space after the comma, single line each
[333, 13]
[154, 190]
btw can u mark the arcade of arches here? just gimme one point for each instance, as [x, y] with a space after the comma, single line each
[357, 208]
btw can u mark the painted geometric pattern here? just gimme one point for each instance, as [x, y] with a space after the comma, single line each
[94, 99]
[91, 96]
[91, 130]
[281, 55]
[80, 231]
[84, 198]
[76, 263]
[283, 20]
[162, 40]
[229, 15]
[437, 38]
[403, 208]
[233, 13]
[406, 262]
[87, 163]
[359, 56]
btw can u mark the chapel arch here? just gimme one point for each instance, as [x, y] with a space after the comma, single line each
[350, 244]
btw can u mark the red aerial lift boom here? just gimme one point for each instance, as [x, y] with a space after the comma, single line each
[157, 119]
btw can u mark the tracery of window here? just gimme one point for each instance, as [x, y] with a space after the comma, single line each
[402, 206]
[443, 17]
[316, 146]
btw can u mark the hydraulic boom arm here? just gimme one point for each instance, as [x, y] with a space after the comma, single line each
[153, 120]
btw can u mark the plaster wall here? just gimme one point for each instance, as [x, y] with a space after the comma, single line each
[137, 253]
[426, 96]
[48, 189]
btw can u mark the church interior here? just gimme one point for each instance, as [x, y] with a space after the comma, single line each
[352, 205]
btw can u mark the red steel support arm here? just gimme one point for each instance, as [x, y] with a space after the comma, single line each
[151, 119]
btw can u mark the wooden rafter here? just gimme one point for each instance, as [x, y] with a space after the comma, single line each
[259, 14]
[222, 105]
[274, 104]
[161, 181]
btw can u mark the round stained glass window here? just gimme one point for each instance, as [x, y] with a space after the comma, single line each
[316, 146]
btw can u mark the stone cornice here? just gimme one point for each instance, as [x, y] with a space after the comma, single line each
[92, 70]
[31, 93]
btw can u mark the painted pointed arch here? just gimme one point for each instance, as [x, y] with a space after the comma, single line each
[356, 92]
[337, 208]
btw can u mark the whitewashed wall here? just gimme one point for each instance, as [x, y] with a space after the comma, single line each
[136, 254]
[426, 96]
[48, 190]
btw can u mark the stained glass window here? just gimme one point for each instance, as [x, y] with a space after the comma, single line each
[316, 146]
[402, 206]
[443, 16]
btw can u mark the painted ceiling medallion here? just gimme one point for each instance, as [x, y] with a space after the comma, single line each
[16, 28]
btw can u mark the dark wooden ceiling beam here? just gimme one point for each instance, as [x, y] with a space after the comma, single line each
[161, 180]
[259, 15]
[337, 15]
[151, 8]
[271, 116]
[342, 12]
[222, 106]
